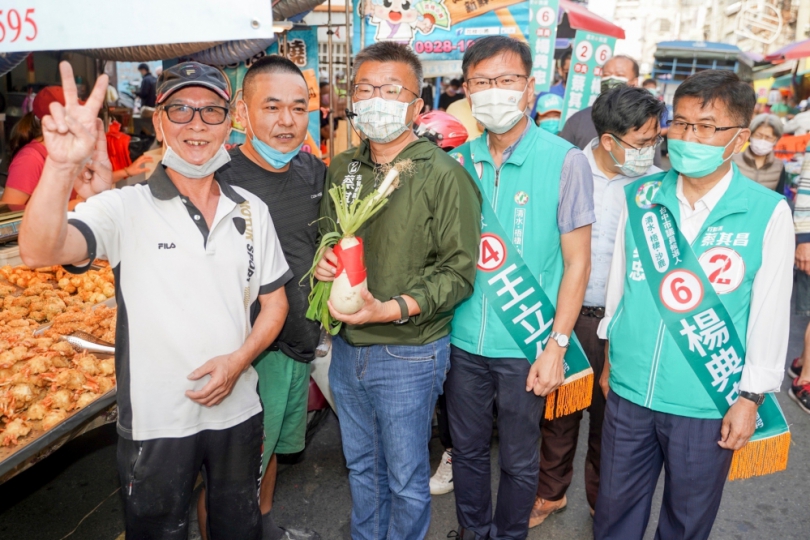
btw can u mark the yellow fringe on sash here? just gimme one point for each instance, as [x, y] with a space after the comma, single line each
[759, 458]
[570, 397]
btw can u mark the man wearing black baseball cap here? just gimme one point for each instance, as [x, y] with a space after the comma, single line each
[191, 256]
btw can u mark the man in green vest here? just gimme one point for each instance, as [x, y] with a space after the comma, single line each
[507, 341]
[697, 303]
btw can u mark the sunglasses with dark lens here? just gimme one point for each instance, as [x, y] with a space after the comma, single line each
[212, 115]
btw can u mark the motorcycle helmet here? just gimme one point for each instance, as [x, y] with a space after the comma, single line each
[442, 129]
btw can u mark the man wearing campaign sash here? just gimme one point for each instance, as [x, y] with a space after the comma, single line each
[626, 119]
[510, 340]
[697, 318]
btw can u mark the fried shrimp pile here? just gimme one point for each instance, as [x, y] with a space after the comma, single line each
[42, 379]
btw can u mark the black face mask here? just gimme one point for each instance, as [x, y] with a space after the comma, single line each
[609, 83]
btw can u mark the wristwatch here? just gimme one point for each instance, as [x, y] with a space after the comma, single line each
[561, 339]
[758, 399]
[403, 308]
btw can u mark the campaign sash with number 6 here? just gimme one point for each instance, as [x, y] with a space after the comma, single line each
[685, 297]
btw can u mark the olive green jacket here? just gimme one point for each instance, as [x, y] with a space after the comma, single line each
[423, 243]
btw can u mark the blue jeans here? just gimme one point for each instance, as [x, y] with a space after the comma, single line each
[385, 395]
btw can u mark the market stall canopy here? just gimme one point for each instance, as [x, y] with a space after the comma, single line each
[800, 49]
[786, 81]
[702, 50]
[88, 24]
[580, 18]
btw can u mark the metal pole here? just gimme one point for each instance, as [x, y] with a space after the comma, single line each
[332, 101]
[802, 20]
[348, 69]
[362, 25]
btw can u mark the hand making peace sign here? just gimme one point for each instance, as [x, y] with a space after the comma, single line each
[74, 135]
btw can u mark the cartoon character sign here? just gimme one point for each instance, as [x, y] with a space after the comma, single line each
[398, 20]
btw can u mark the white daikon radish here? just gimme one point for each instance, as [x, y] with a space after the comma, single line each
[345, 292]
[345, 297]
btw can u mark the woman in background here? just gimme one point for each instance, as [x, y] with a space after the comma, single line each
[758, 161]
[28, 153]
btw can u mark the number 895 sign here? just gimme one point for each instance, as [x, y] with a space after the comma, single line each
[16, 24]
[681, 291]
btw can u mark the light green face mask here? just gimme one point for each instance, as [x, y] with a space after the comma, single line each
[696, 160]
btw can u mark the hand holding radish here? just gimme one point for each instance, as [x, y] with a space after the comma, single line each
[338, 274]
[372, 311]
[325, 271]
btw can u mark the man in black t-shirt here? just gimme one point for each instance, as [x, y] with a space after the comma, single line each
[271, 166]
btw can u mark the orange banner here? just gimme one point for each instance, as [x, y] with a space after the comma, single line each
[461, 10]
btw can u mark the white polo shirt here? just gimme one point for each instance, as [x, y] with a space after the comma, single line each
[184, 295]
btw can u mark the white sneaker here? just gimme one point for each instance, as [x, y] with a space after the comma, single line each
[442, 481]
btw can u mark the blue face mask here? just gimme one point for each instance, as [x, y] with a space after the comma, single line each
[696, 160]
[275, 158]
[552, 125]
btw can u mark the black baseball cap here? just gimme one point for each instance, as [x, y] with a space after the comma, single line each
[191, 74]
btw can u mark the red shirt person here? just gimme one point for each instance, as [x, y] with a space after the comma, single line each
[28, 153]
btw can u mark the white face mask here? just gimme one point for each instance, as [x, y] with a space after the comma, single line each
[636, 161]
[171, 160]
[497, 109]
[381, 120]
[761, 147]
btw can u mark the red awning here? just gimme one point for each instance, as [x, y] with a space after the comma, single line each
[580, 18]
[793, 51]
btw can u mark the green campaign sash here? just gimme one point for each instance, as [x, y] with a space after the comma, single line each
[526, 310]
[687, 301]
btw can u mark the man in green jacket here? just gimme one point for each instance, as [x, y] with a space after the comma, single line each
[534, 255]
[390, 360]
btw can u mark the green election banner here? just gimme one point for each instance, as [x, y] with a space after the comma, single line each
[542, 35]
[591, 51]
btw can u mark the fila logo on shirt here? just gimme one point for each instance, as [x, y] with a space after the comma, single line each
[166, 246]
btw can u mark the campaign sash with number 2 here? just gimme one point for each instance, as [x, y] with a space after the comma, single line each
[685, 298]
[526, 310]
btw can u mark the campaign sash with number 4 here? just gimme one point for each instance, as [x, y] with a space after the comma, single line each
[685, 298]
[526, 311]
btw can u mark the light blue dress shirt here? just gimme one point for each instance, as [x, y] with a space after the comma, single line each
[608, 197]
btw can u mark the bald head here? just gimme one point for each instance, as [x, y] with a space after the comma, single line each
[622, 66]
[267, 65]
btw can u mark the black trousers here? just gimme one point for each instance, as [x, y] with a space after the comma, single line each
[559, 436]
[443, 422]
[473, 384]
[636, 443]
[158, 475]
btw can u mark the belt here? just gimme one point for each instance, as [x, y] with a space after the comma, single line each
[597, 312]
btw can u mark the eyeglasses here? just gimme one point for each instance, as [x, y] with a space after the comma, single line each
[657, 141]
[702, 131]
[212, 115]
[389, 92]
[503, 81]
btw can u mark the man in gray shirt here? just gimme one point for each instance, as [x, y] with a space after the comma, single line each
[579, 129]
[627, 122]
